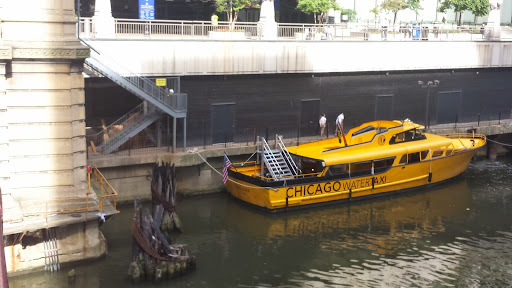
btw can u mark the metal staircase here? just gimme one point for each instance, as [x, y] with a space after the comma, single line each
[278, 161]
[157, 100]
[174, 105]
[133, 128]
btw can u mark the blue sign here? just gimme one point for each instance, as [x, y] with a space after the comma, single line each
[147, 9]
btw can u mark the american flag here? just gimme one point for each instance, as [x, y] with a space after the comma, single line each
[227, 164]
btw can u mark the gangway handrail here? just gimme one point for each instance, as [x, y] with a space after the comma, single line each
[273, 159]
[287, 156]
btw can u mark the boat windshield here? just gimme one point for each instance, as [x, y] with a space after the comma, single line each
[406, 136]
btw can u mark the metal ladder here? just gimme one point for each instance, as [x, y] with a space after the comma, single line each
[277, 161]
[51, 251]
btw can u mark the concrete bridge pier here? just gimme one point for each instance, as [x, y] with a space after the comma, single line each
[42, 136]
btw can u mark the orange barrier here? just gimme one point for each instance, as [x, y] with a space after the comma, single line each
[106, 192]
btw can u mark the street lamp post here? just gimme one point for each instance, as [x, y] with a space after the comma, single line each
[427, 85]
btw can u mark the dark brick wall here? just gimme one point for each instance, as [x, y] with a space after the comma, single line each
[275, 100]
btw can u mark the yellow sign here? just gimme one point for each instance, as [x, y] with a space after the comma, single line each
[161, 82]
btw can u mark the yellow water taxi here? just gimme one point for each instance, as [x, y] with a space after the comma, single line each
[374, 158]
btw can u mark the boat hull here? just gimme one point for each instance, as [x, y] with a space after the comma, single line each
[399, 177]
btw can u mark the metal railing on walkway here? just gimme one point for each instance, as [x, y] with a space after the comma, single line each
[174, 29]
[204, 138]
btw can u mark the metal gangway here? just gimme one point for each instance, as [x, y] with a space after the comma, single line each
[278, 161]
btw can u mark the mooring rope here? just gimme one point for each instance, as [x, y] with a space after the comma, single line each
[504, 144]
[220, 174]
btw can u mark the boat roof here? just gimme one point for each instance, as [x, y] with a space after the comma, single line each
[363, 143]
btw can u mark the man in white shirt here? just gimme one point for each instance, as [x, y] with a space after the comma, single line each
[339, 126]
[322, 123]
[339, 121]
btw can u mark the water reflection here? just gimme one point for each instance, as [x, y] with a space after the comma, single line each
[458, 233]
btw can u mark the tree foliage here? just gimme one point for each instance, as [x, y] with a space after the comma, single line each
[349, 12]
[477, 7]
[232, 7]
[414, 5]
[317, 7]
[394, 6]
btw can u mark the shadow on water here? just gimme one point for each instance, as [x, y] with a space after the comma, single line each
[457, 233]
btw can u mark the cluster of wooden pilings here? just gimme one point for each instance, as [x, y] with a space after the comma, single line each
[153, 255]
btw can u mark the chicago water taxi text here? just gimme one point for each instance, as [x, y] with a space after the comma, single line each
[333, 186]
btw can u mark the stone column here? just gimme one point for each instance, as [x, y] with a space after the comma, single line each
[44, 96]
[42, 129]
[5, 53]
[102, 22]
[267, 26]
[493, 28]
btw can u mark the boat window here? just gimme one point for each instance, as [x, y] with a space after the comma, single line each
[424, 154]
[364, 130]
[438, 152]
[403, 160]
[338, 171]
[382, 165]
[308, 165]
[361, 168]
[381, 130]
[414, 157]
[410, 135]
[449, 152]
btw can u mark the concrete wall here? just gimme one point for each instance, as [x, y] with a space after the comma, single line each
[159, 58]
[131, 175]
[74, 242]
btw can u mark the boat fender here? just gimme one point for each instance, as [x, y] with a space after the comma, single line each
[429, 177]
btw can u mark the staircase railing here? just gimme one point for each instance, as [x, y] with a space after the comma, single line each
[174, 101]
[287, 156]
[129, 117]
[151, 115]
[271, 161]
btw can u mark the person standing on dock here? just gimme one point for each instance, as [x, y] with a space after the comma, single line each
[322, 123]
[339, 127]
[339, 122]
